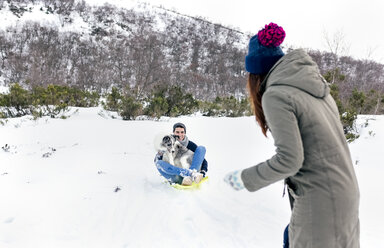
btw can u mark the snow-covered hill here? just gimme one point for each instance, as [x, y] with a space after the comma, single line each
[17, 14]
[90, 181]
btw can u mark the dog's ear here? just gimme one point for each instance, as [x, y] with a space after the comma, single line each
[166, 139]
[175, 136]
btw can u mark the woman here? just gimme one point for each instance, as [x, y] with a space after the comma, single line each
[292, 100]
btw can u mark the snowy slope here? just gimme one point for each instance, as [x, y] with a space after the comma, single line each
[37, 13]
[58, 181]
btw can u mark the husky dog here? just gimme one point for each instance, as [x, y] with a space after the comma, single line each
[175, 153]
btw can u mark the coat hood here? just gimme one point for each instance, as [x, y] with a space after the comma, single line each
[297, 69]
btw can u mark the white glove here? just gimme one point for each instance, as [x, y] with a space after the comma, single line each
[234, 180]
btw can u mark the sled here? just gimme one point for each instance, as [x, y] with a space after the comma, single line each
[190, 187]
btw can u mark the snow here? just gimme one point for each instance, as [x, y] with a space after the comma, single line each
[128, 4]
[36, 13]
[3, 89]
[59, 177]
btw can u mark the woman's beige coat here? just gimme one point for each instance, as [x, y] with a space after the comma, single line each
[311, 155]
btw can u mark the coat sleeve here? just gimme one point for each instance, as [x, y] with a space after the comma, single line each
[289, 157]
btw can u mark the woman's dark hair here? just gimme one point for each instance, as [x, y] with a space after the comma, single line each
[256, 91]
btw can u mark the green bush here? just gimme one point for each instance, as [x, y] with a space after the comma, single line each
[373, 102]
[170, 101]
[334, 76]
[50, 101]
[44, 101]
[179, 102]
[113, 100]
[335, 94]
[227, 106]
[130, 108]
[56, 95]
[347, 110]
[210, 108]
[55, 99]
[350, 137]
[16, 103]
[157, 107]
[357, 100]
[123, 103]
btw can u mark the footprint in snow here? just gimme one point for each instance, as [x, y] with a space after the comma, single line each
[9, 220]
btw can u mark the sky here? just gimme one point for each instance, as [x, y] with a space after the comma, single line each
[306, 23]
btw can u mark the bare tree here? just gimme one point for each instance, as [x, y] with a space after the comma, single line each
[62, 7]
[6, 46]
[337, 46]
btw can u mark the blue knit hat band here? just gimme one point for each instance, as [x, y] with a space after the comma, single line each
[260, 59]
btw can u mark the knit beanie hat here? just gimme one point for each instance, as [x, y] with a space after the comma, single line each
[179, 124]
[264, 49]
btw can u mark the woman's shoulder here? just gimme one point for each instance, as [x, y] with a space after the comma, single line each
[281, 93]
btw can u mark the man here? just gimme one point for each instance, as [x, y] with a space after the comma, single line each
[199, 165]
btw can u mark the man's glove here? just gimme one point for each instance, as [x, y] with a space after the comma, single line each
[234, 179]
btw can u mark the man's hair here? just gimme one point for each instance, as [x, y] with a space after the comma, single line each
[179, 124]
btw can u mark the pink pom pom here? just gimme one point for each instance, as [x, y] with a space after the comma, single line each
[271, 35]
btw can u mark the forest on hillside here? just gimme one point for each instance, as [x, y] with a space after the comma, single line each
[147, 55]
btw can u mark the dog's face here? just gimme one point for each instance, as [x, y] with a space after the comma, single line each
[171, 144]
[168, 143]
[174, 152]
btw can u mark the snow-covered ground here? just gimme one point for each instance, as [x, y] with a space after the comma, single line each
[90, 181]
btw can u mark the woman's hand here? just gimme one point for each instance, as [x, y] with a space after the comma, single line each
[234, 180]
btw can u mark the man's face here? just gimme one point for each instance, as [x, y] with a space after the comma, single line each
[179, 131]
